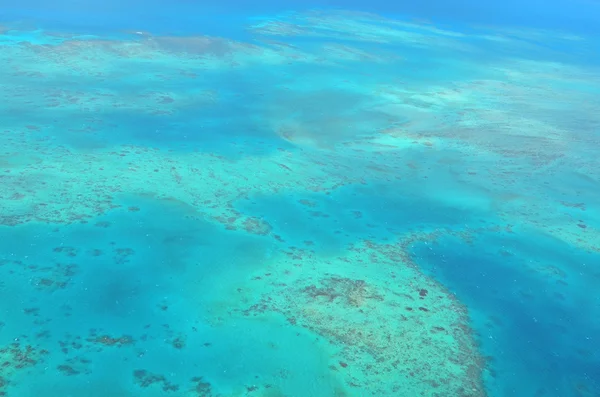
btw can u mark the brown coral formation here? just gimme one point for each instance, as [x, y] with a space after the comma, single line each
[17, 357]
[146, 379]
[110, 341]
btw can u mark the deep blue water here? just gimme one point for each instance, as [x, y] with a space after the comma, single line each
[545, 328]
[188, 15]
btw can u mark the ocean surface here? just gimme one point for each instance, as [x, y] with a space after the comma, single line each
[299, 199]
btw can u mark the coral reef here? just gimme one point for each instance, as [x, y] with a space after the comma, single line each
[94, 128]
[385, 345]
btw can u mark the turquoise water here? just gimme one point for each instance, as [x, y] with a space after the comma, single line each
[284, 201]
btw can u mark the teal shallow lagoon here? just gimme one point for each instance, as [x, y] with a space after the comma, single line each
[131, 303]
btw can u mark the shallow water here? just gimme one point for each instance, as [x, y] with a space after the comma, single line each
[303, 204]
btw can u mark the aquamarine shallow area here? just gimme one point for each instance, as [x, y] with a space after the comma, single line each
[302, 204]
[123, 289]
